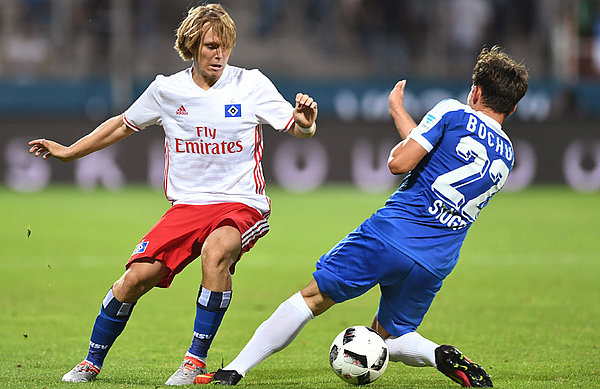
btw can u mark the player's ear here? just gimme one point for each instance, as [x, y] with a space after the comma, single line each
[476, 94]
[513, 110]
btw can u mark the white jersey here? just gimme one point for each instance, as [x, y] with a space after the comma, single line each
[213, 138]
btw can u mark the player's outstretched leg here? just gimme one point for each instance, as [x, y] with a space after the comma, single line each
[223, 377]
[450, 361]
[273, 335]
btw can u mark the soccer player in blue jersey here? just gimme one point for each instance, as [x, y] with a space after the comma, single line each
[457, 158]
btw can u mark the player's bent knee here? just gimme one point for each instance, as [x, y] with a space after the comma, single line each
[218, 259]
[319, 304]
[317, 301]
[138, 279]
[215, 262]
[223, 244]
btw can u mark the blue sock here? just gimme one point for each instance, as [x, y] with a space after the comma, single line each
[108, 326]
[210, 309]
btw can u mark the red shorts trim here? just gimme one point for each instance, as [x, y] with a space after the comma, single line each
[177, 238]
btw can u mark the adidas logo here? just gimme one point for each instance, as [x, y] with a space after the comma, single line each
[181, 111]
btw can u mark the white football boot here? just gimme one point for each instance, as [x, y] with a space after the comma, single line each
[190, 368]
[84, 372]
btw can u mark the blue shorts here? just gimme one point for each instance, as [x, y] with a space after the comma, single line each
[362, 260]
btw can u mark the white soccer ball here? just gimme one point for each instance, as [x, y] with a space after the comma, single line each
[358, 355]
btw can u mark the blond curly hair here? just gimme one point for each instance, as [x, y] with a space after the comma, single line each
[199, 20]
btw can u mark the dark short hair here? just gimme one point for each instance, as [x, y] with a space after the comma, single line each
[502, 80]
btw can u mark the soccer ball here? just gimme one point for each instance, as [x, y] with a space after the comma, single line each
[358, 355]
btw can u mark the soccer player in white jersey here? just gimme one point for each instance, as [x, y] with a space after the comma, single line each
[457, 158]
[212, 115]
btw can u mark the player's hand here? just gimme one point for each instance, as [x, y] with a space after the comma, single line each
[396, 98]
[305, 112]
[47, 148]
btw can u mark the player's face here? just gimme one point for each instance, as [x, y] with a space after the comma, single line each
[210, 59]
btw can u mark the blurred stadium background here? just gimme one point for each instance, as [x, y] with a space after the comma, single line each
[67, 65]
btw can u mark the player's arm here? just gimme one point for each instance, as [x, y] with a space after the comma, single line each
[408, 153]
[106, 134]
[403, 121]
[405, 156]
[305, 116]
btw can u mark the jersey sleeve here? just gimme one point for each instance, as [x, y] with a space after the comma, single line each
[431, 128]
[271, 107]
[146, 110]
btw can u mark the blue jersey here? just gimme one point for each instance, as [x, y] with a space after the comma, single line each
[468, 161]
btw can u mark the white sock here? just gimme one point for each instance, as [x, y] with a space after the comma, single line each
[274, 334]
[412, 349]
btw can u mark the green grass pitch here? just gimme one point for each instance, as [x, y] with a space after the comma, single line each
[524, 300]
